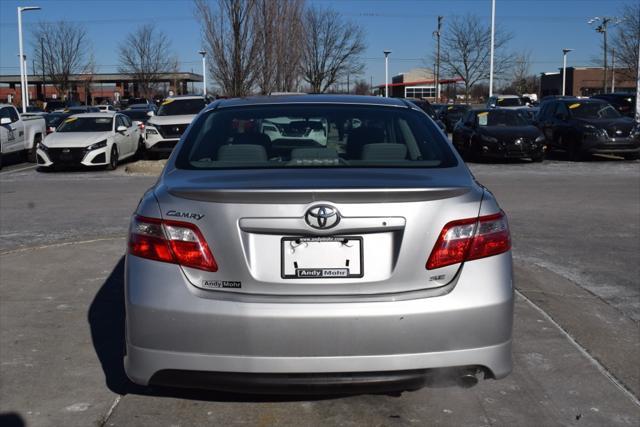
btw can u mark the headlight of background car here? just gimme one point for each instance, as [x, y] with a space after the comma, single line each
[97, 145]
[540, 139]
[590, 130]
[487, 138]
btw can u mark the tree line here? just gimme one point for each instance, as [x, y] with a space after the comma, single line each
[267, 46]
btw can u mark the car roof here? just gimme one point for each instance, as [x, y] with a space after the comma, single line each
[310, 99]
[178, 97]
[101, 114]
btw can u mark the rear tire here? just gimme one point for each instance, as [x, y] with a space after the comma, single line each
[141, 152]
[113, 159]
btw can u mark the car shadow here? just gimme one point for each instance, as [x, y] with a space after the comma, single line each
[106, 317]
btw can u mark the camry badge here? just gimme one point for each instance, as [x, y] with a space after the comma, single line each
[322, 217]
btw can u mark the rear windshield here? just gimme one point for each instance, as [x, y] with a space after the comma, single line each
[593, 110]
[86, 124]
[313, 136]
[140, 115]
[176, 107]
[509, 102]
[501, 118]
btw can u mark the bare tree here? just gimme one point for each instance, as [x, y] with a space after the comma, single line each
[277, 23]
[362, 87]
[146, 53]
[332, 47]
[466, 50]
[626, 40]
[64, 48]
[520, 71]
[229, 38]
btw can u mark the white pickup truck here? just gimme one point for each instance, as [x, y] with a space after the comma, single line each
[19, 134]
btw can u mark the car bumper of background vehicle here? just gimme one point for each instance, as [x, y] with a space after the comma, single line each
[91, 158]
[170, 328]
[162, 146]
[511, 152]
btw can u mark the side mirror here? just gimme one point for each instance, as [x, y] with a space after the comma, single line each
[5, 121]
[151, 113]
[121, 129]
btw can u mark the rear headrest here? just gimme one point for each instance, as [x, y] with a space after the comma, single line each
[242, 153]
[361, 136]
[314, 153]
[385, 151]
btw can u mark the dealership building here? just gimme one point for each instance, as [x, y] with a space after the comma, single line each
[585, 81]
[93, 88]
[416, 83]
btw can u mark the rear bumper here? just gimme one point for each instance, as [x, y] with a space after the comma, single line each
[170, 328]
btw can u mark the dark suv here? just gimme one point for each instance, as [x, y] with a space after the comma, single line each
[625, 103]
[583, 127]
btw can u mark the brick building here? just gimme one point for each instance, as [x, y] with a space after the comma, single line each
[584, 81]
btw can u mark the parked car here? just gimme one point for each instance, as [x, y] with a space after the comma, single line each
[80, 109]
[19, 134]
[582, 127]
[452, 113]
[33, 110]
[163, 130]
[530, 114]
[369, 258]
[104, 108]
[506, 101]
[137, 101]
[625, 103]
[145, 107]
[54, 105]
[428, 109]
[53, 120]
[498, 133]
[90, 139]
[138, 116]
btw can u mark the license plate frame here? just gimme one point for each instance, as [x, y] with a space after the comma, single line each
[324, 272]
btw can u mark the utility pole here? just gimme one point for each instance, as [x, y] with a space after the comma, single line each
[564, 69]
[204, 72]
[602, 28]
[437, 35]
[386, 73]
[493, 31]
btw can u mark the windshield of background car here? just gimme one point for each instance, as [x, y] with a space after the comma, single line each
[290, 136]
[53, 120]
[139, 115]
[501, 118]
[86, 124]
[509, 102]
[177, 107]
[592, 110]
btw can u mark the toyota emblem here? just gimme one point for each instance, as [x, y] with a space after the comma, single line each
[322, 217]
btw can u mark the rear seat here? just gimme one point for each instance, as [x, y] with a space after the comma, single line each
[314, 153]
[384, 152]
[242, 153]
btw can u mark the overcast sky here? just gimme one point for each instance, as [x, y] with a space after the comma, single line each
[543, 27]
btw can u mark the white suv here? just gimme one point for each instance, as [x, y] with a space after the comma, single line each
[164, 129]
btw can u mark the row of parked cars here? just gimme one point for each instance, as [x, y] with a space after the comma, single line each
[97, 135]
[509, 128]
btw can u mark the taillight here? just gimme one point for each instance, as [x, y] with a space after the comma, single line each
[141, 126]
[175, 242]
[469, 239]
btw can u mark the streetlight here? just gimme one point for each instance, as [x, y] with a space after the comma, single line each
[493, 27]
[386, 73]
[602, 28]
[23, 85]
[436, 34]
[564, 68]
[204, 72]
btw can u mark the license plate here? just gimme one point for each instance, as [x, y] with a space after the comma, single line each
[335, 257]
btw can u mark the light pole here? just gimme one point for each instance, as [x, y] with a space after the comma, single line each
[564, 68]
[23, 86]
[437, 35]
[613, 70]
[493, 31]
[204, 72]
[386, 73]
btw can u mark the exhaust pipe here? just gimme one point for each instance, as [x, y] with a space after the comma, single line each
[468, 377]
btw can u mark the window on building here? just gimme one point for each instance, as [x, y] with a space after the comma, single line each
[420, 92]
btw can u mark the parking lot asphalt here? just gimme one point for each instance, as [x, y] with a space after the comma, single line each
[576, 232]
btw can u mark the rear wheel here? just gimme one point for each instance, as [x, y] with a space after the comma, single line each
[113, 158]
[575, 151]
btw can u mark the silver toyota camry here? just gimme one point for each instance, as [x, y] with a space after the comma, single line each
[314, 240]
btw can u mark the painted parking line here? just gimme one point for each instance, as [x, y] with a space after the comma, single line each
[18, 170]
